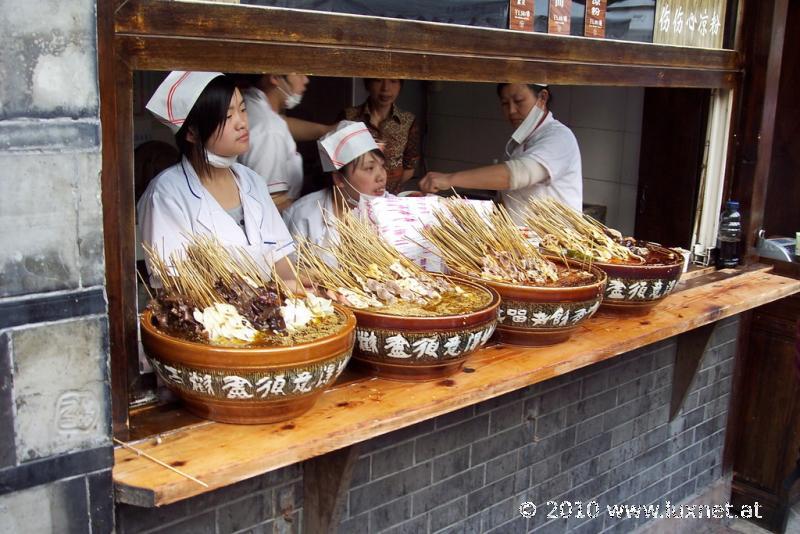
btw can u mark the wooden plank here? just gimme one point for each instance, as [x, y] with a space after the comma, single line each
[356, 411]
[763, 43]
[160, 35]
[256, 23]
[117, 200]
[168, 53]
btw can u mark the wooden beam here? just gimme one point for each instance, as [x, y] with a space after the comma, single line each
[326, 481]
[117, 199]
[361, 409]
[691, 346]
[763, 52]
[170, 35]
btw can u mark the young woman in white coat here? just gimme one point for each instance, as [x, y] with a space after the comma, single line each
[543, 155]
[207, 191]
[357, 169]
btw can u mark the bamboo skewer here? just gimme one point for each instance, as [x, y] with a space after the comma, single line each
[562, 228]
[489, 246]
[140, 452]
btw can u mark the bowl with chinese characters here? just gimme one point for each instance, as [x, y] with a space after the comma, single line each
[416, 348]
[637, 288]
[544, 315]
[249, 385]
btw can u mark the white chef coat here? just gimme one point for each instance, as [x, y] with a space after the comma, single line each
[306, 217]
[176, 204]
[553, 146]
[273, 152]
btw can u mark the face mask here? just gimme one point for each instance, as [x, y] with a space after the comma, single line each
[529, 124]
[292, 99]
[220, 162]
[362, 196]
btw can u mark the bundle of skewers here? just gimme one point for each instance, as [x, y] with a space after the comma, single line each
[213, 294]
[489, 246]
[361, 270]
[564, 231]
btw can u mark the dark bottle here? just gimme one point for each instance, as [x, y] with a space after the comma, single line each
[730, 234]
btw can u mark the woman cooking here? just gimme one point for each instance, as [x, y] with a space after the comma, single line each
[207, 191]
[357, 166]
[543, 155]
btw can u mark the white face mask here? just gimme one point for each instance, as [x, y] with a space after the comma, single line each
[220, 162]
[292, 99]
[362, 196]
[529, 124]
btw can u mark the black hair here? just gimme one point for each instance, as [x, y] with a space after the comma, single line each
[209, 113]
[368, 80]
[246, 81]
[535, 88]
[351, 166]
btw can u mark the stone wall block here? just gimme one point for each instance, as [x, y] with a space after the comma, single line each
[57, 507]
[48, 59]
[51, 222]
[90, 222]
[60, 387]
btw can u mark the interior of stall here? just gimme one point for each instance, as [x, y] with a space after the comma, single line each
[641, 160]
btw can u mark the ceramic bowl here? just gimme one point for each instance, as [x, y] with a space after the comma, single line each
[635, 289]
[248, 385]
[533, 316]
[422, 348]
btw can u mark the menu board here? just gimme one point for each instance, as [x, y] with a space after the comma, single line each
[690, 23]
[559, 17]
[595, 19]
[520, 15]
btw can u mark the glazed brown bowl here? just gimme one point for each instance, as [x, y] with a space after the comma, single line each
[248, 385]
[422, 348]
[635, 289]
[533, 316]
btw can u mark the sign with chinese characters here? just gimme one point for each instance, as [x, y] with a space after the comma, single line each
[690, 23]
[594, 23]
[520, 15]
[559, 17]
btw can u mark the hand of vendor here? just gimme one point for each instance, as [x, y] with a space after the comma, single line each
[433, 182]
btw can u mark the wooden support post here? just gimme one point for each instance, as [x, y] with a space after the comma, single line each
[691, 346]
[326, 480]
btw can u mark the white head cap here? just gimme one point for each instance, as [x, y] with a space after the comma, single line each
[176, 96]
[341, 146]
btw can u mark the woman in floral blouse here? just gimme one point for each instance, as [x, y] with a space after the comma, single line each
[397, 129]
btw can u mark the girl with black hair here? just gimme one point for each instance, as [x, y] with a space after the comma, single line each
[207, 191]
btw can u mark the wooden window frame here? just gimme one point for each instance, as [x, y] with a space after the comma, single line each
[165, 35]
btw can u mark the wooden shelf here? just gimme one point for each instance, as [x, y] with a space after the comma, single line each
[161, 35]
[360, 409]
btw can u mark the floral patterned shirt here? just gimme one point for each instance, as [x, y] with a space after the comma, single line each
[399, 131]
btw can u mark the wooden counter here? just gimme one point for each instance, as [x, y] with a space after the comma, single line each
[360, 409]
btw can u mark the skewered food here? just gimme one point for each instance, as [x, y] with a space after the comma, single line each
[372, 275]
[222, 297]
[564, 231]
[491, 247]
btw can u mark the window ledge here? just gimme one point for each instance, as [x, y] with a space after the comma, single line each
[362, 408]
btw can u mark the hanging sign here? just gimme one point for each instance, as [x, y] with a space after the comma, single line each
[594, 24]
[520, 15]
[690, 23]
[559, 16]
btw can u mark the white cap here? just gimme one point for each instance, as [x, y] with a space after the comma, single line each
[344, 144]
[176, 96]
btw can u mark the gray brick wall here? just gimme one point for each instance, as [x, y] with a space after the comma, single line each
[599, 434]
